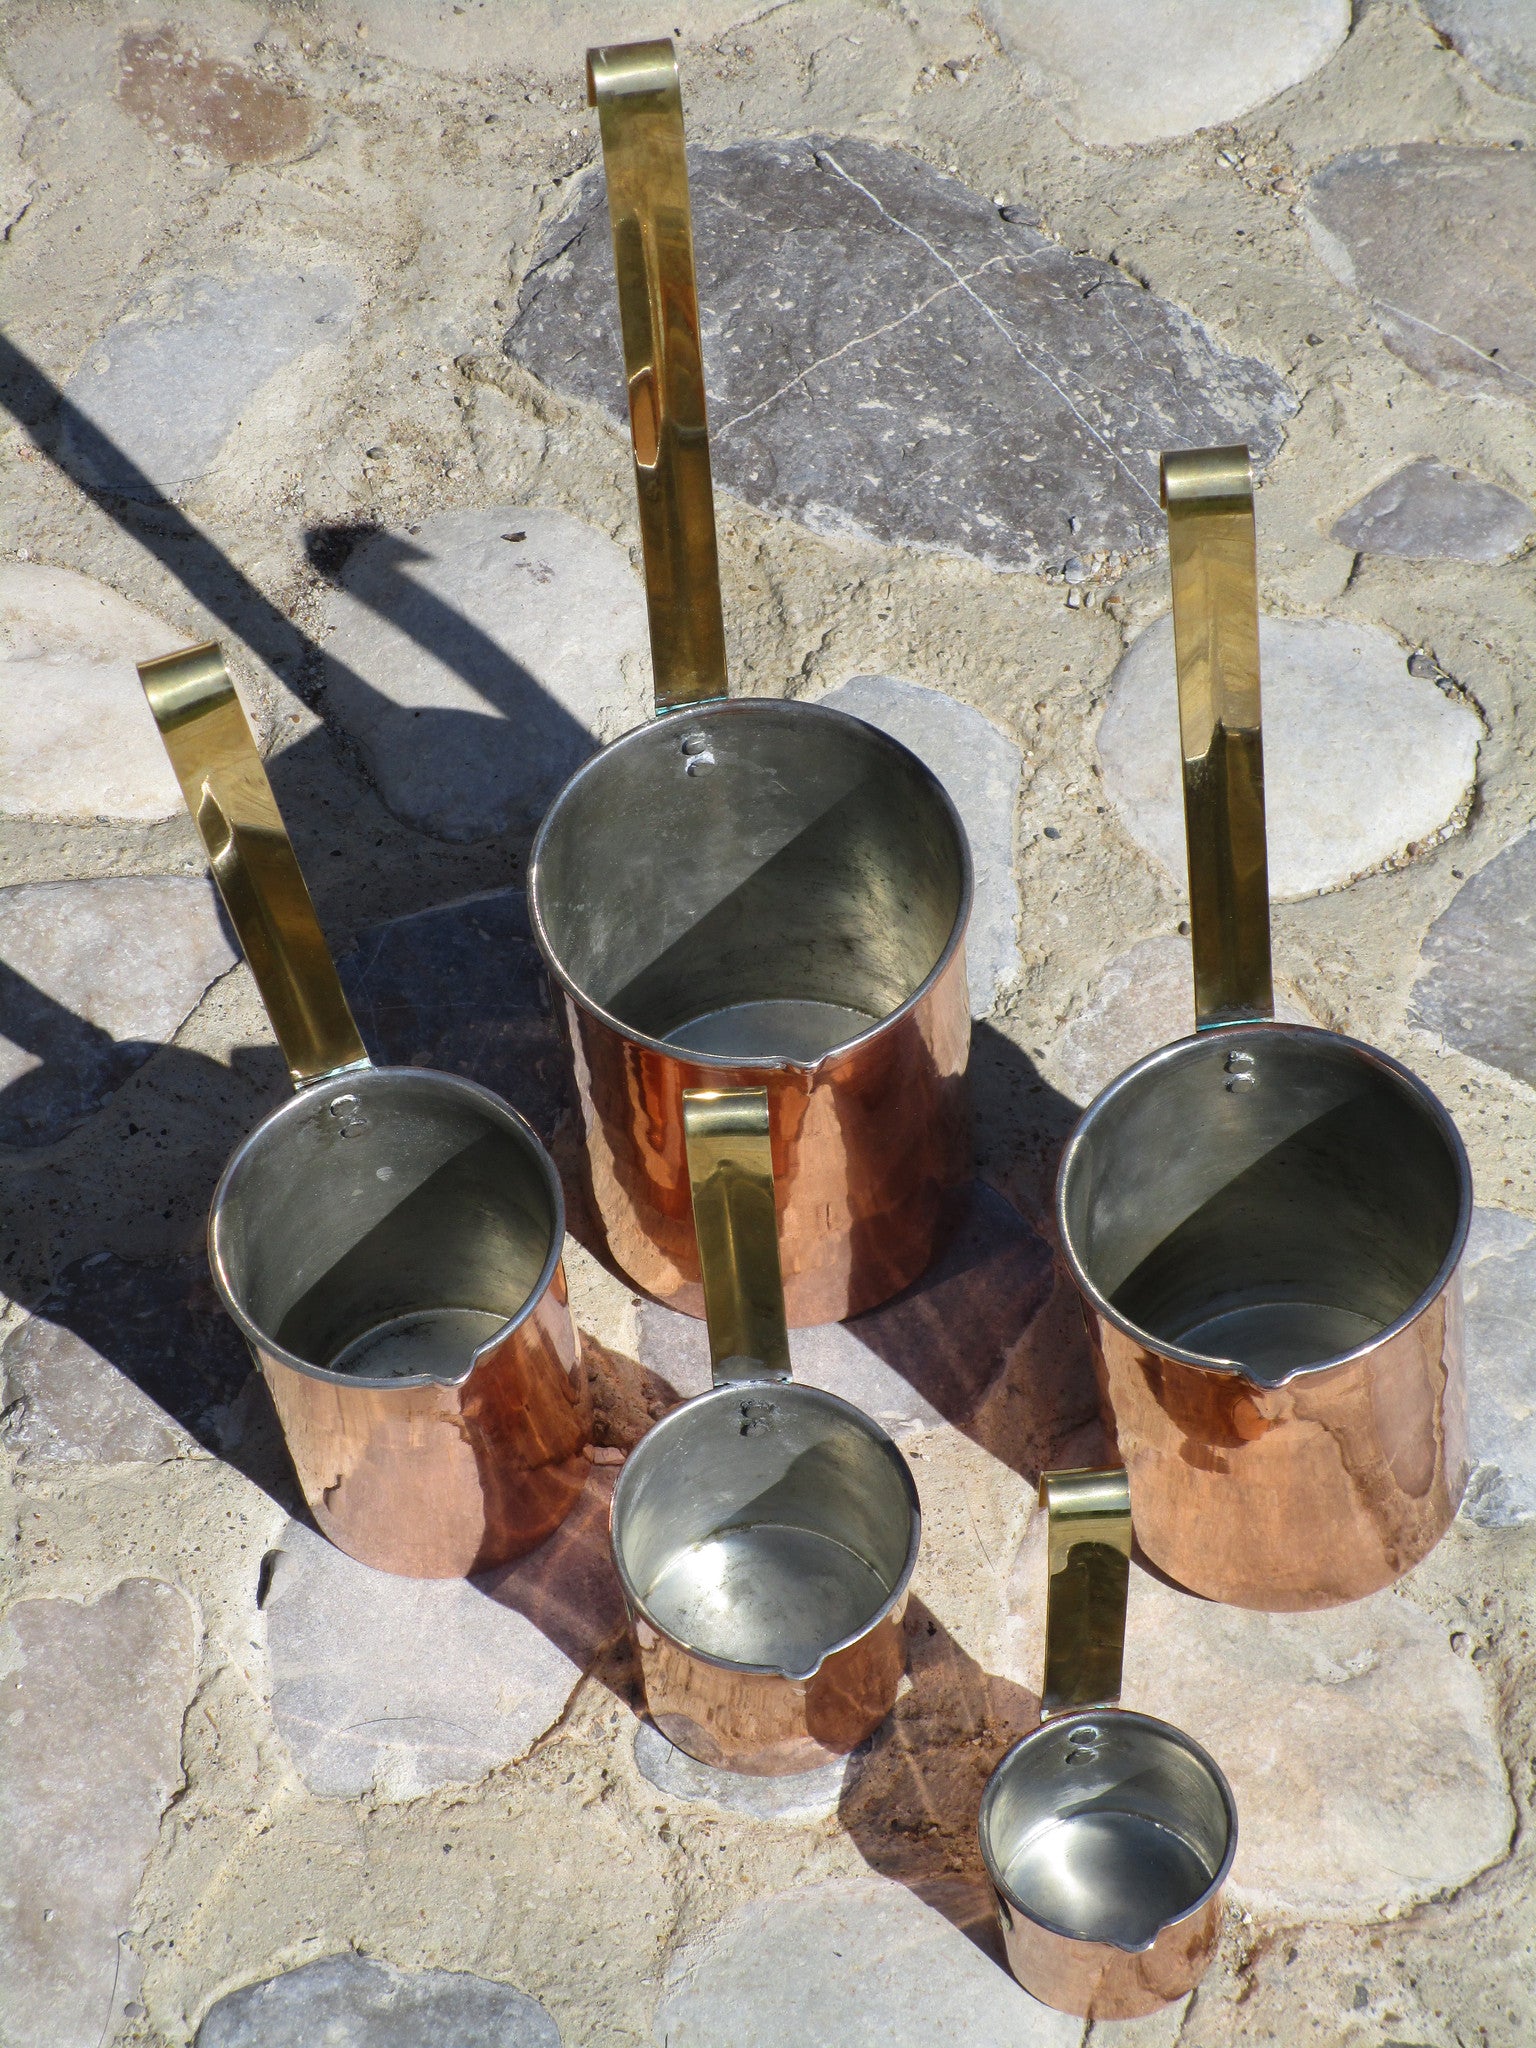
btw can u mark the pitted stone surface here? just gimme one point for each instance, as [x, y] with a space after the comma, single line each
[93, 977]
[91, 1706]
[1364, 764]
[479, 658]
[981, 769]
[1478, 987]
[1442, 241]
[167, 385]
[803, 1795]
[1497, 37]
[183, 96]
[346, 2001]
[1122, 71]
[969, 386]
[80, 741]
[1429, 512]
[1499, 1278]
[863, 1963]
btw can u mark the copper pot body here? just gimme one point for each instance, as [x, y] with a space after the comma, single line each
[1266, 1224]
[765, 894]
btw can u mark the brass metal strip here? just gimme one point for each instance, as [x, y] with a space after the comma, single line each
[1088, 1523]
[635, 89]
[730, 1166]
[225, 784]
[1213, 564]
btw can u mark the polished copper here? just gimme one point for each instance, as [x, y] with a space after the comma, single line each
[1098, 1981]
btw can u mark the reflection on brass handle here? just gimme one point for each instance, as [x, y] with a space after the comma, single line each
[634, 87]
[1212, 562]
[1088, 1520]
[730, 1164]
[231, 801]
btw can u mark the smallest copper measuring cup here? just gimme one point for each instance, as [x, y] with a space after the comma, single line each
[764, 1533]
[1107, 1835]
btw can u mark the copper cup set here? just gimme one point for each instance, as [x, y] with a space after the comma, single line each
[753, 916]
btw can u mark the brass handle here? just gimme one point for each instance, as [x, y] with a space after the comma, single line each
[1214, 569]
[635, 89]
[222, 778]
[1088, 1524]
[730, 1167]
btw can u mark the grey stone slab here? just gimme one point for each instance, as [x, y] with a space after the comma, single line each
[165, 387]
[1365, 764]
[1477, 982]
[1429, 512]
[1497, 37]
[981, 768]
[888, 355]
[1442, 241]
[863, 1963]
[1119, 71]
[1499, 1278]
[345, 2001]
[801, 1795]
[91, 1706]
[94, 976]
[480, 657]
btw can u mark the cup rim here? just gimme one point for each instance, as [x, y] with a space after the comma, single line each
[1087, 1716]
[721, 1062]
[674, 1420]
[347, 1082]
[1230, 1369]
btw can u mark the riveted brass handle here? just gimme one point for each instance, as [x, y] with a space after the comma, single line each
[730, 1167]
[1213, 565]
[635, 88]
[1088, 1524]
[222, 778]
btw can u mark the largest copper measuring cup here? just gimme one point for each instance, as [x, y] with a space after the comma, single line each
[389, 1241]
[1265, 1220]
[754, 893]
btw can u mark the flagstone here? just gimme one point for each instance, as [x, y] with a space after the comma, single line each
[1429, 512]
[348, 2001]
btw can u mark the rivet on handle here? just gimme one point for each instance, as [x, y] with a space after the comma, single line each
[1088, 1523]
[730, 1166]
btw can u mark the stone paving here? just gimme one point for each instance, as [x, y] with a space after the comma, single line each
[309, 344]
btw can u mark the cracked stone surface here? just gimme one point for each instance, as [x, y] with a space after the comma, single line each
[1427, 512]
[1442, 242]
[1477, 984]
[479, 657]
[847, 410]
[96, 975]
[91, 1702]
[1497, 38]
[1364, 764]
[980, 768]
[1118, 71]
[801, 1795]
[1499, 1279]
[349, 2002]
[80, 740]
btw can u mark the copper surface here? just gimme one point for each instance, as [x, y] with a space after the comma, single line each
[1101, 1982]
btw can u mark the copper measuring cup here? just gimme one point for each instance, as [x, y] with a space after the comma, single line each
[756, 893]
[1107, 1835]
[388, 1241]
[1265, 1221]
[764, 1533]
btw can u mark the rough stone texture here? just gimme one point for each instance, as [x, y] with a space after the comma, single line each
[1145, 999]
[1477, 989]
[1499, 1277]
[862, 1964]
[15, 176]
[480, 657]
[1364, 764]
[347, 2002]
[183, 96]
[93, 976]
[803, 1795]
[1442, 241]
[1497, 37]
[1121, 71]
[80, 742]
[1428, 512]
[970, 386]
[91, 1703]
[980, 768]
[169, 382]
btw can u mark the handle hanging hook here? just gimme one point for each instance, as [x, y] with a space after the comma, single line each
[730, 1166]
[1088, 1524]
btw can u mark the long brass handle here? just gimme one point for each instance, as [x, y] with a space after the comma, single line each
[1213, 564]
[1088, 1522]
[635, 89]
[730, 1167]
[222, 778]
